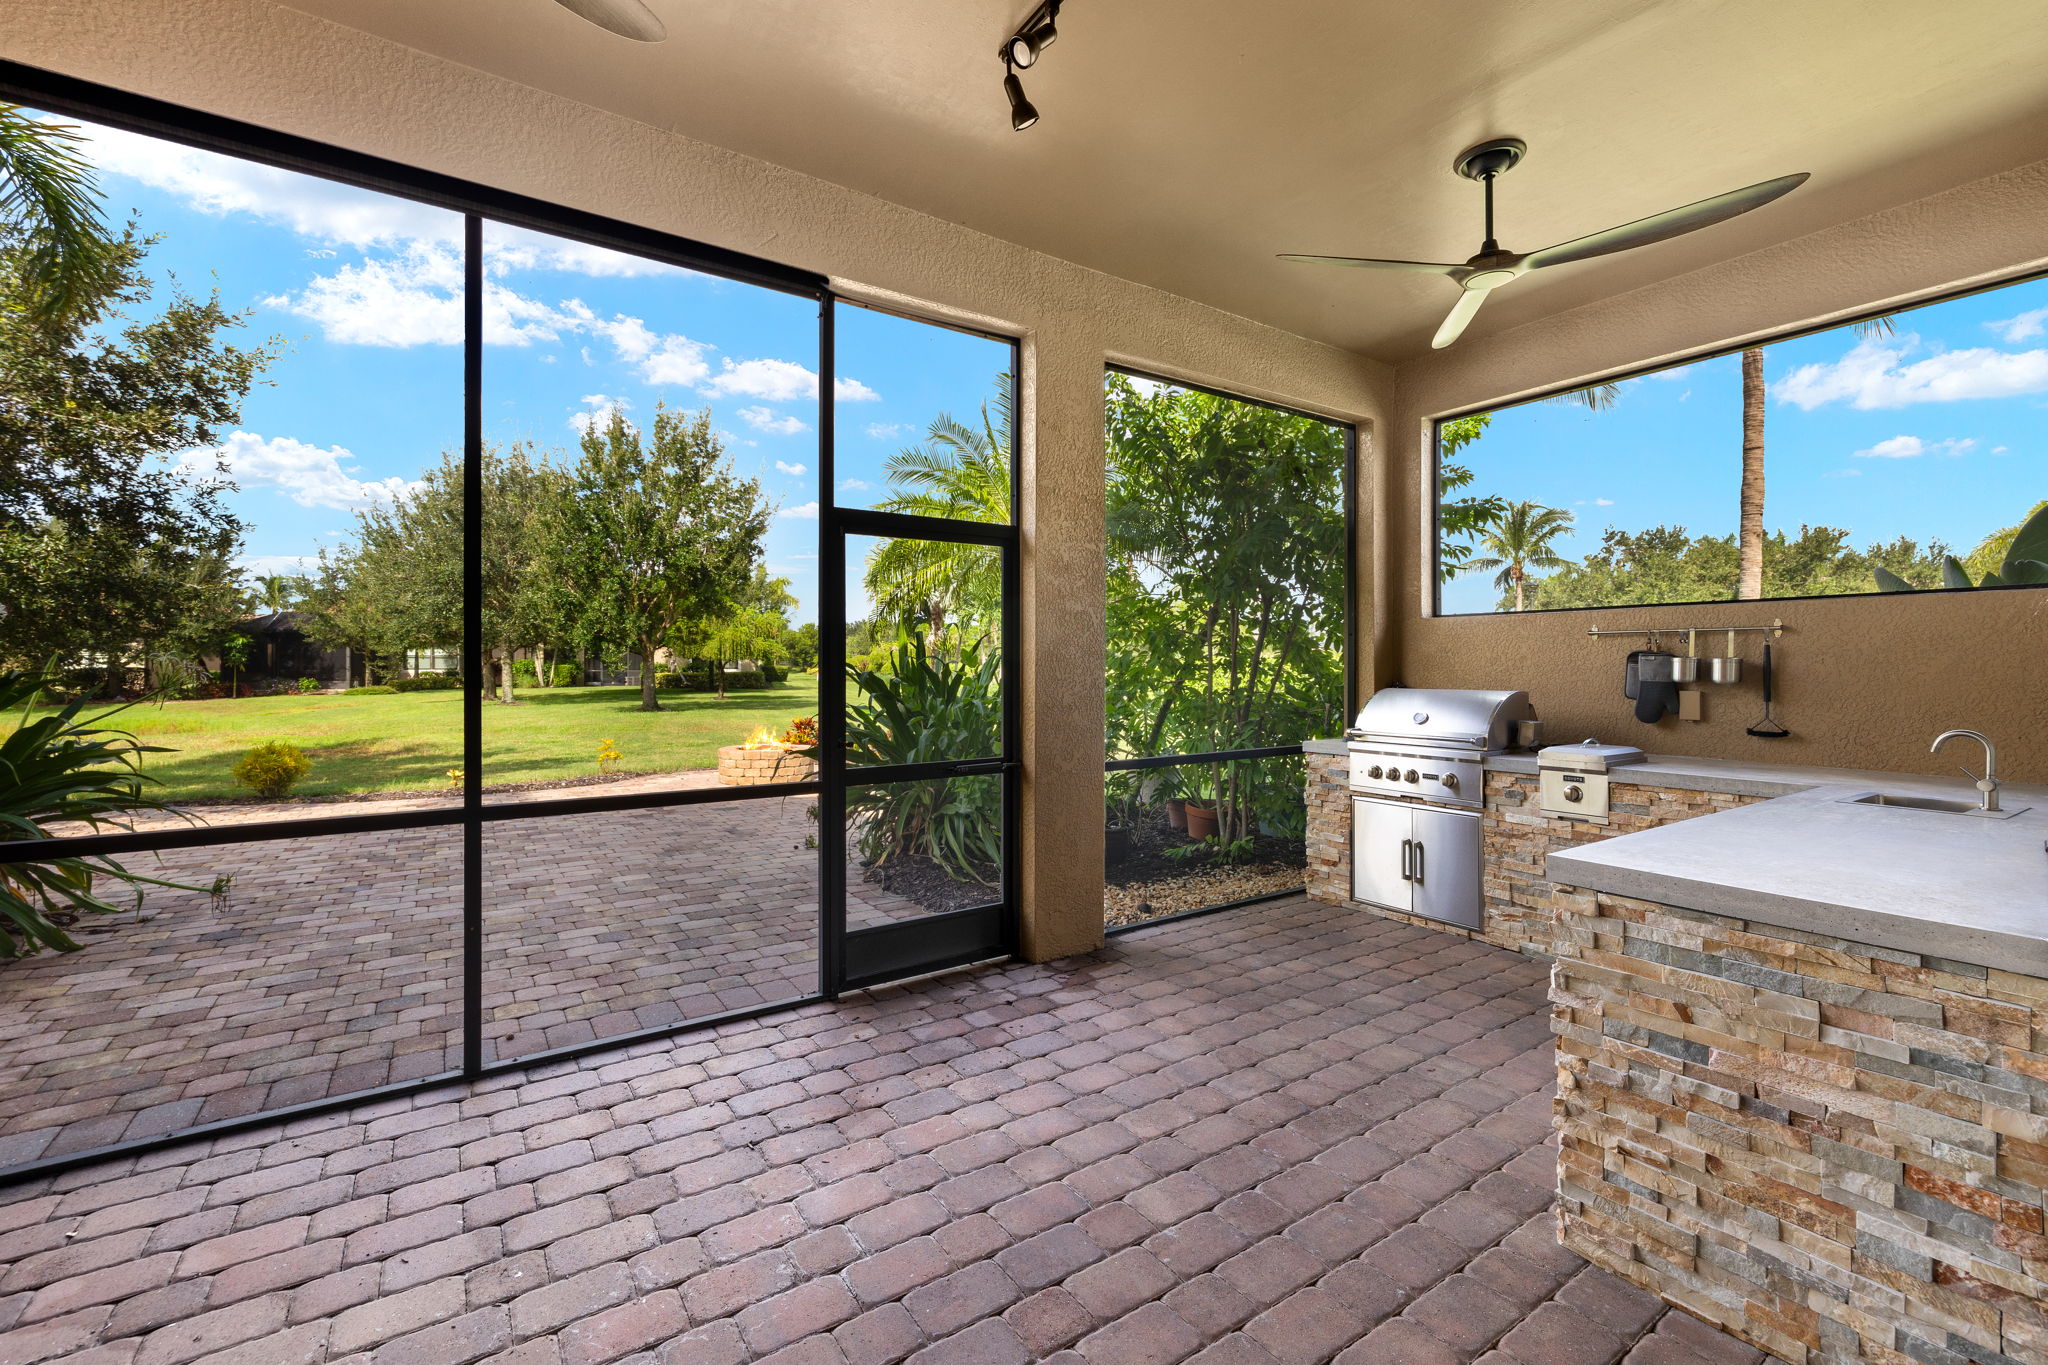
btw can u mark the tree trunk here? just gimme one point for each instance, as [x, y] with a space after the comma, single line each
[505, 693]
[540, 665]
[1519, 605]
[1749, 555]
[648, 701]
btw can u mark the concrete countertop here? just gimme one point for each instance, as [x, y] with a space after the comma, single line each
[1955, 886]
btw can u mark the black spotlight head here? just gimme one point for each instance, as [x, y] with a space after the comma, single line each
[1023, 48]
[1022, 112]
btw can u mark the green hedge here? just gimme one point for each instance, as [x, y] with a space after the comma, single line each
[773, 674]
[429, 683]
[566, 675]
[379, 690]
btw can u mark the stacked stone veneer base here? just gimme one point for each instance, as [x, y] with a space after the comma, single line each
[1834, 1151]
[1518, 837]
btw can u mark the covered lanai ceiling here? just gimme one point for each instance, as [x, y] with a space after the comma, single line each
[1185, 142]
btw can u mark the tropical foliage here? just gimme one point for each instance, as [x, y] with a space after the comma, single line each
[959, 472]
[2015, 557]
[60, 768]
[1523, 536]
[926, 707]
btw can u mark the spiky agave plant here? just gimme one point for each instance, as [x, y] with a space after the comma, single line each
[55, 769]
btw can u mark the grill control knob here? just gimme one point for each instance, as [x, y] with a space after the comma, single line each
[1451, 781]
[1574, 793]
[1376, 771]
[1412, 776]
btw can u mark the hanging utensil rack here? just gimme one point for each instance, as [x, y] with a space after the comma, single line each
[1775, 629]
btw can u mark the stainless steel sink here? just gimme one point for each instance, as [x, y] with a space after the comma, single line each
[1933, 803]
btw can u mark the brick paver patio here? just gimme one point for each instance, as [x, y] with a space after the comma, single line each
[334, 963]
[1286, 1133]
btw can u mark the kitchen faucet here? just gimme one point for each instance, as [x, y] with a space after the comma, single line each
[1987, 784]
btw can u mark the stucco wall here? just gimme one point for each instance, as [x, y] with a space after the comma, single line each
[281, 69]
[1863, 682]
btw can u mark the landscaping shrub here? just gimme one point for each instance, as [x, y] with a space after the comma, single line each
[668, 682]
[309, 684]
[272, 768]
[745, 680]
[927, 707]
[523, 674]
[774, 674]
[565, 675]
[378, 690]
[63, 769]
[429, 682]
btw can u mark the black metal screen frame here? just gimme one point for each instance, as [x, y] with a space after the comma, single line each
[856, 959]
[1349, 484]
[64, 95]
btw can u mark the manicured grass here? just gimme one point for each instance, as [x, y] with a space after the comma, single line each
[409, 741]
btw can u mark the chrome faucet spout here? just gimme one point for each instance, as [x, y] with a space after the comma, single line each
[1988, 784]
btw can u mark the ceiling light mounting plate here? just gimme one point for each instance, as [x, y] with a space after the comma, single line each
[1495, 157]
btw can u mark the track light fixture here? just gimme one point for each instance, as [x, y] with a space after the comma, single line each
[1020, 50]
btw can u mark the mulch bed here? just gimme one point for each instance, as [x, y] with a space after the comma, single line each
[923, 881]
[1147, 883]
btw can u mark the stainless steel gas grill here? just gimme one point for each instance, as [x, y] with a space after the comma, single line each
[1432, 742]
[1414, 856]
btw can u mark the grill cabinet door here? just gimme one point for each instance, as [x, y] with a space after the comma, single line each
[1381, 835]
[1446, 866]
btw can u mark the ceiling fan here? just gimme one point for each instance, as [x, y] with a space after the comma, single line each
[1492, 267]
[627, 18]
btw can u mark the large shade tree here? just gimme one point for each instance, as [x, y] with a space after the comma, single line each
[656, 530]
[108, 518]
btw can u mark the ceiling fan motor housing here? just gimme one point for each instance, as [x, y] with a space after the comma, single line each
[1497, 157]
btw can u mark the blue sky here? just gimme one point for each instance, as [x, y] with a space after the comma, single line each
[1934, 432]
[364, 291]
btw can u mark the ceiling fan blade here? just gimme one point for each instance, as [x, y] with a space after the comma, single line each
[1461, 314]
[1671, 223]
[627, 18]
[1368, 263]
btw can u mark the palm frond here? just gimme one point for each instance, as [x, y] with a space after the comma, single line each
[48, 188]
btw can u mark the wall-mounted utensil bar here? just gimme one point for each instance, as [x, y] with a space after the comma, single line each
[1655, 666]
[1775, 628]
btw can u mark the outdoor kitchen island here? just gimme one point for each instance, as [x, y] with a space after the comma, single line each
[1802, 1047]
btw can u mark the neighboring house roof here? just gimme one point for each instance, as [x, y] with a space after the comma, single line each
[275, 623]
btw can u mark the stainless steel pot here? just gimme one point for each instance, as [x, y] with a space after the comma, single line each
[1723, 669]
[1671, 668]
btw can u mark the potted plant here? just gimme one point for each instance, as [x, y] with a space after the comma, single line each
[1119, 793]
[1198, 797]
[1167, 789]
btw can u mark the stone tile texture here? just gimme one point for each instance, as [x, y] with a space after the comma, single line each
[1284, 1133]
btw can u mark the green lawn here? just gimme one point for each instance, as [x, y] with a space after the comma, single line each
[408, 742]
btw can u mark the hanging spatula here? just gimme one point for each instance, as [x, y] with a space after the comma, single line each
[1767, 728]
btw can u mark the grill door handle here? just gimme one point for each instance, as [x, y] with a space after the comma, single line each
[1407, 860]
[1418, 862]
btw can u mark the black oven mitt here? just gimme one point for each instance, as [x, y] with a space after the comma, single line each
[1654, 700]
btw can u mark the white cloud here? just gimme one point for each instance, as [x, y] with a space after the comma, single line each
[885, 431]
[2001, 450]
[1675, 372]
[854, 486]
[416, 300]
[793, 470]
[256, 566]
[2021, 327]
[1594, 502]
[309, 475]
[765, 419]
[598, 411]
[1908, 447]
[781, 381]
[1873, 375]
[804, 512]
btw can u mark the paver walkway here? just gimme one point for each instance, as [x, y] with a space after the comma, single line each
[334, 964]
[1285, 1133]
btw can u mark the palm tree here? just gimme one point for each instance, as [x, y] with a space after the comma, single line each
[962, 473]
[1517, 541]
[47, 194]
[1596, 397]
[1749, 539]
[276, 592]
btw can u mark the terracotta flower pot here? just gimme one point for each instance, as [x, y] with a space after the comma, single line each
[1176, 812]
[1201, 821]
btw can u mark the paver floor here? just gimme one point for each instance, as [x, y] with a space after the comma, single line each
[333, 964]
[1284, 1133]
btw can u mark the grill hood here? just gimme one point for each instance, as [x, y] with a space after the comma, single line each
[1447, 718]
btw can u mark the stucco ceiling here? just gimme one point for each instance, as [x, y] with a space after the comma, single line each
[1184, 142]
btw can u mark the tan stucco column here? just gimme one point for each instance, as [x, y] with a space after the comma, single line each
[1061, 678]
